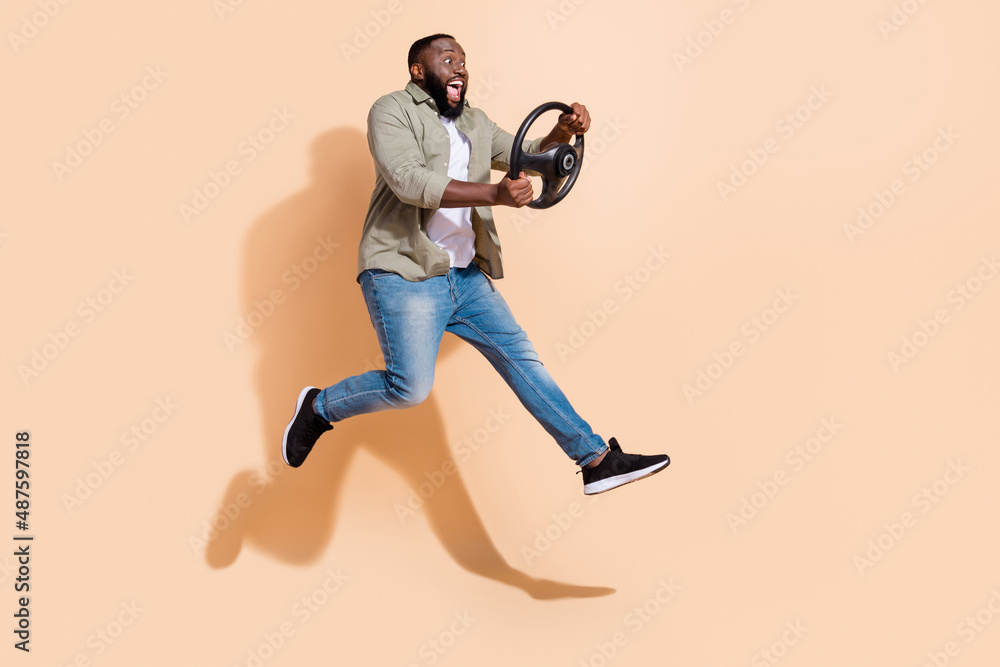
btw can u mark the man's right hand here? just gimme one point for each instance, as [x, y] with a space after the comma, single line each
[516, 193]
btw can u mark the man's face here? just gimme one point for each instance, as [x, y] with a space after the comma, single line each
[444, 76]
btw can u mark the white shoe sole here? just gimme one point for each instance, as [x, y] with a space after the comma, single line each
[602, 485]
[284, 438]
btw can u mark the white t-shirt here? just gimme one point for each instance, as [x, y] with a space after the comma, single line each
[451, 228]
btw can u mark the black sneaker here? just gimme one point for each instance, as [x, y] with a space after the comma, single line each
[304, 429]
[619, 468]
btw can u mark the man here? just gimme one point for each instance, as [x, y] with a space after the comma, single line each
[426, 250]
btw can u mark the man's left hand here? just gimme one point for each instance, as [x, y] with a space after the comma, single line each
[577, 122]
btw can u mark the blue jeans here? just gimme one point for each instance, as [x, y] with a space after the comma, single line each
[410, 319]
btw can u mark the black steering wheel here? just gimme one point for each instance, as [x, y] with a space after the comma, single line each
[559, 166]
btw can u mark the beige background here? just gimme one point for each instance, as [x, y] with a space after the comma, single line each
[459, 572]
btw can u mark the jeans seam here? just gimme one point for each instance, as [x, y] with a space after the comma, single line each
[385, 336]
[352, 396]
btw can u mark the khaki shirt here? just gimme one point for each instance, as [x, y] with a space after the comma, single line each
[411, 150]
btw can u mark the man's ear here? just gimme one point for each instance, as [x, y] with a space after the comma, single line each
[417, 72]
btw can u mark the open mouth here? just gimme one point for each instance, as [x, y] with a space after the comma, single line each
[455, 87]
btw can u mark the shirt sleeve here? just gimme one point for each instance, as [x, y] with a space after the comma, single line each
[503, 141]
[399, 159]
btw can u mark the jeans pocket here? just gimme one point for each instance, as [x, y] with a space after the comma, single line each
[373, 274]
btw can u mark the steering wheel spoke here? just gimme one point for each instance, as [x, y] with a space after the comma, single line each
[542, 163]
[550, 188]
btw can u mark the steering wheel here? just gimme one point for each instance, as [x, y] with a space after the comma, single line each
[559, 166]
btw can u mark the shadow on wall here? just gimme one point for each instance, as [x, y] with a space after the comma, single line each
[299, 273]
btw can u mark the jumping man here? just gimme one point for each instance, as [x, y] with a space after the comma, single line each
[426, 250]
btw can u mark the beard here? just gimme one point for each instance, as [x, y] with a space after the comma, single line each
[439, 93]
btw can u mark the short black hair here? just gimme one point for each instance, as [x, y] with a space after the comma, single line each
[421, 45]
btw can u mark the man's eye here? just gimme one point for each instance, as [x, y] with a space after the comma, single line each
[448, 60]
